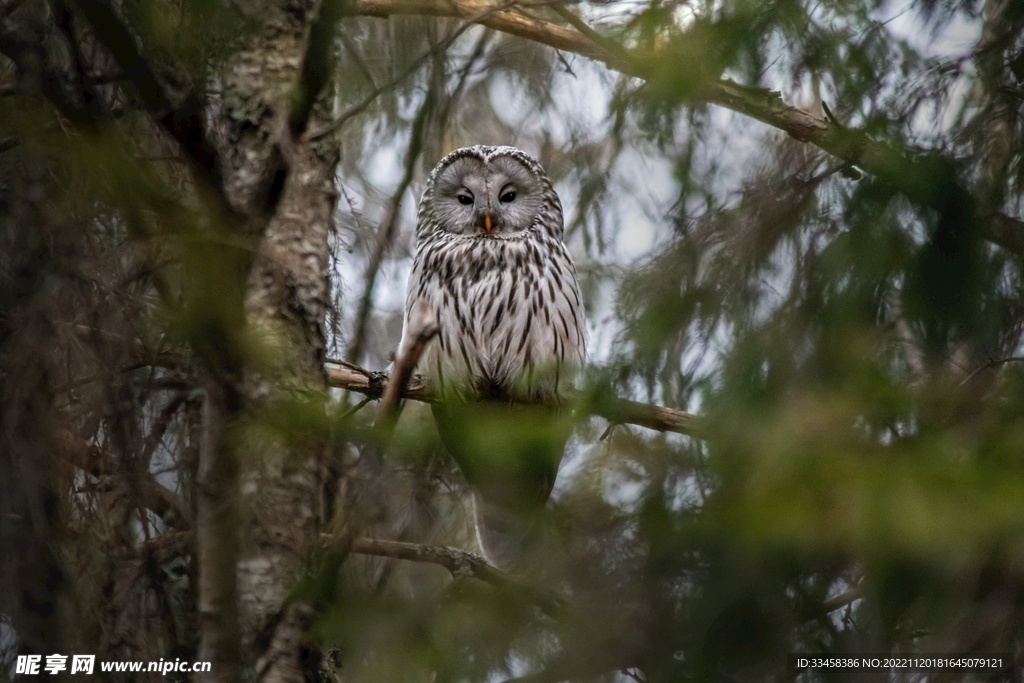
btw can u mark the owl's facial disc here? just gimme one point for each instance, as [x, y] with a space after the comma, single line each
[473, 197]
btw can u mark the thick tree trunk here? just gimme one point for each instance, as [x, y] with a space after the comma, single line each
[287, 303]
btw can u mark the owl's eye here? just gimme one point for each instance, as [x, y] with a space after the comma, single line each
[507, 197]
[465, 199]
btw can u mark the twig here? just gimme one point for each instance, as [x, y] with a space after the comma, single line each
[843, 599]
[607, 44]
[354, 378]
[355, 409]
[444, 117]
[350, 48]
[991, 364]
[460, 563]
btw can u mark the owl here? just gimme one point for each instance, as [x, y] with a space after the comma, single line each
[491, 263]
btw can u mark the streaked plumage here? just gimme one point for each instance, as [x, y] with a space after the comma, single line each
[512, 332]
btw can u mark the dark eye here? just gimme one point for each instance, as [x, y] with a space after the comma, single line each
[507, 197]
[465, 199]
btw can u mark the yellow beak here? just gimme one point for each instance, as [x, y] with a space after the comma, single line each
[487, 223]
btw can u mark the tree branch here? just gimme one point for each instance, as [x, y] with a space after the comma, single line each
[991, 364]
[504, 20]
[893, 164]
[843, 599]
[181, 117]
[422, 329]
[459, 563]
[622, 411]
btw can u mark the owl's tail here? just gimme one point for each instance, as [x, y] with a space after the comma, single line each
[512, 539]
[509, 455]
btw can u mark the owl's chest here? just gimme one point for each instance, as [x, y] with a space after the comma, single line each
[494, 297]
[488, 311]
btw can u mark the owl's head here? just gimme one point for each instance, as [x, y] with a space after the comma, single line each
[489, 192]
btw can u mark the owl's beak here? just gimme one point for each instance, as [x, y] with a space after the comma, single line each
[487, 223]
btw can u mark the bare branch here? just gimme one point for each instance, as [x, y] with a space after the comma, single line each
[459, 563]
[500, 19]
[991, 364]
[609, 46]
[422, 328]
[843, 599]
[658, 418]
[351, 377]
[622, 411]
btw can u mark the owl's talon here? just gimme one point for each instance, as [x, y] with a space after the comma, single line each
[378, 380]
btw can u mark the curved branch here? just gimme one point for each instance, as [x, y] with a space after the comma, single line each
[422, 328]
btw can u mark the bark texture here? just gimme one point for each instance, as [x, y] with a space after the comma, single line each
[270, 172]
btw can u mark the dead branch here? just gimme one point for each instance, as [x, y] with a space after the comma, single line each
[991, 364]
[843, 599]
[504, 20]
[459, 562]
[617, 410]
[421, 330]
[351, 377]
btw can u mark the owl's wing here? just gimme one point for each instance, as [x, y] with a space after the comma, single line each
[451, 364]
